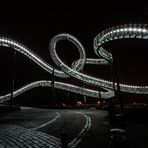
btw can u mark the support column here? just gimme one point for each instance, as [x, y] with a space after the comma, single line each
[53, 88]
[13, 78]
[117, 89]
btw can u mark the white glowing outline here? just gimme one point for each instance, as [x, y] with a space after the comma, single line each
[77, 65]
[119, 32]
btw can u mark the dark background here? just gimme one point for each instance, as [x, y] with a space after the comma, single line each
[35, 24]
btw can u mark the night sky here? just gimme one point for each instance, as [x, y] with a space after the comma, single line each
[35, 28]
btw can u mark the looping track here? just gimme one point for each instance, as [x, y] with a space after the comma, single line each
[114, 33]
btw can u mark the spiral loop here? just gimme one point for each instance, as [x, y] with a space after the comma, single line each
[138, 31]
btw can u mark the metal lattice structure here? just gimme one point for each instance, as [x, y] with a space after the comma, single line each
[104, 58]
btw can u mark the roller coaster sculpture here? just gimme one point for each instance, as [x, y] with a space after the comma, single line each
[115, 33]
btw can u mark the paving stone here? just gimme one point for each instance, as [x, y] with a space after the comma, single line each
[18, 137]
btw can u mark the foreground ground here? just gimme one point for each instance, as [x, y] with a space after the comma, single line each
[90, 128]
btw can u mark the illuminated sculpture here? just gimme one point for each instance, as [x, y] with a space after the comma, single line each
[118, 32]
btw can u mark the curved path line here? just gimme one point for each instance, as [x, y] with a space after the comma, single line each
[13, 135]
[47, 123]
[82, 133]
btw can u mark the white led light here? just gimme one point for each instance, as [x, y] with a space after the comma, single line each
[124, 32]
[144, 30]
[135, 29]
[77, 66]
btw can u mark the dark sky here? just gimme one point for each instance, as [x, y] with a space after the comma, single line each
[35, 26]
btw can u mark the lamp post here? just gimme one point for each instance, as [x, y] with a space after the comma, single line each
[84, 96]
[52, 85]
[13, 78]
[68, 98]
[116, 78]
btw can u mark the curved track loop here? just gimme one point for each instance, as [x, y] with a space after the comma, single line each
[129, 31]
[118, 32]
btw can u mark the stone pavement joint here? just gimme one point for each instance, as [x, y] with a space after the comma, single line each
[18, 137]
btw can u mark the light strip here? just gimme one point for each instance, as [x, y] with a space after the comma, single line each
[118, 32]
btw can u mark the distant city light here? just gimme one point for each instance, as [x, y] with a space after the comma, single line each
[98, 103]
[79, 103]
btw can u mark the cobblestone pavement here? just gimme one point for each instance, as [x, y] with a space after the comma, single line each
[19, 129]
[39, 128]
[19, 137]
[16, 132]
[12, 136]
[29, 117]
